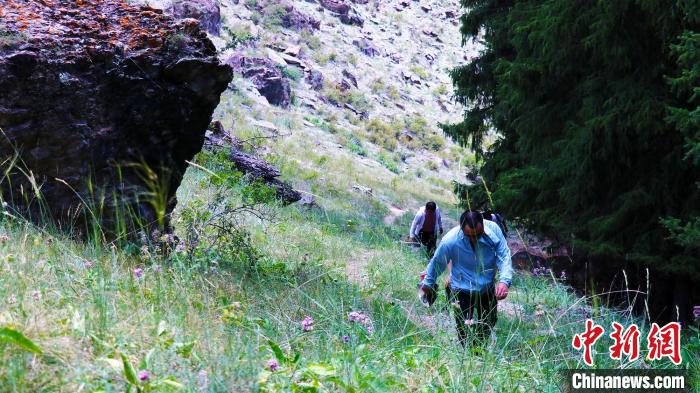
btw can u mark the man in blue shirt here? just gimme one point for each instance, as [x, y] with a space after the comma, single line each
[476, 249]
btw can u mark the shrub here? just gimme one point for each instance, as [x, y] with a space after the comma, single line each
[434, 142]
[292, 73]
[420, 72]
[355, 145]
[388, 163]
[237, 37]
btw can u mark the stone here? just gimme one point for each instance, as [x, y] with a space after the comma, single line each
[275, 57]
[315, 79]
[339, 7]
[426, 8]
[344, 11]
[350, 77]
[362, 189]
[293, 50]
[366, 46]
[97, 96]
[449, 14]
[207, 12]
[264, 124]
[293, 19]
[352, 19]
[266, 78]
[308, 200]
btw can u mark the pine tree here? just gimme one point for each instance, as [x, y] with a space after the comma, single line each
[595, 105]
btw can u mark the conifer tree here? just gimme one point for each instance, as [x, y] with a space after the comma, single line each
[595, 108]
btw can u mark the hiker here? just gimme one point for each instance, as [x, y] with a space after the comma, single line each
[426, 225]
[475, 249]
[498, 219]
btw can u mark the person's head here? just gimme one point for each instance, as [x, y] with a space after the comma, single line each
[430, 206]
[472, 224]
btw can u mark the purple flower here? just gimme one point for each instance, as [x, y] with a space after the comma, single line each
[696, 312]
[346, 339]
[370, 329]
[359, 317]
[273, 365]
[138, 272]
[213, 270]
[307, 324]
[562, 276]
[143, 376]
[157, 269]
[88, 264]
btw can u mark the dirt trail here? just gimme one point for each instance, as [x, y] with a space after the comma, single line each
[356, 268]
[394, 213]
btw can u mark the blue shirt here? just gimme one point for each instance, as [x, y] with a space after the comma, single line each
[472, 269]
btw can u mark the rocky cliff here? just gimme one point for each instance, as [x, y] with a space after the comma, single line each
[101, 99]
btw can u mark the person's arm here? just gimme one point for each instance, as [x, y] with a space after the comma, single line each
[437, 265]
[505, 266]
[439, 219]
[412, 234]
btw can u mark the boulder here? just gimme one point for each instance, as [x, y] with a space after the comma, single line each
[207, 12]
[102, 99]
[266, 78]
[350, 77]
[366, 46]
[352, 18]
[293, 19]
[339, 7]
[344, 11]
[315, 79]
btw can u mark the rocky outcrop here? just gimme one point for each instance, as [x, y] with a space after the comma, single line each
[315, 79]
[344, 11]
[293, 19]
[207, 12]
[253, 167]
[266, 77]
[366, 46]
[102, 101]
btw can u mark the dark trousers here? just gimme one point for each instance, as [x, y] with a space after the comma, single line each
[429, 240]
[481, 309]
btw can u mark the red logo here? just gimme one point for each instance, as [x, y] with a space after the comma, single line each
[588, 338]
[661, 341]
[626, 342]
[665, 342]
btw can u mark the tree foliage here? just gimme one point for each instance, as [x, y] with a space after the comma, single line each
[595, 104]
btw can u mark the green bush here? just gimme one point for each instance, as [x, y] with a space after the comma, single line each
[291, 72]
[388, 163]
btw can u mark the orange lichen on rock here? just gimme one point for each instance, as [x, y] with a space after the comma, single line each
[81, 23]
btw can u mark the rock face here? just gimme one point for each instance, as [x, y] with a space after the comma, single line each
[103, 99]
[266, 77]
[366, 46]
[293, 19]
[207, 12]
[344, 11]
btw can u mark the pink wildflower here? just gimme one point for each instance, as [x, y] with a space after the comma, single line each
[307, 324]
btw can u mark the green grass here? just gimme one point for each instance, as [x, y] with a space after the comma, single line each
[212, 319]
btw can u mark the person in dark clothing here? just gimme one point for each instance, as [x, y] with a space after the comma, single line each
[426, 225]
[498, 219]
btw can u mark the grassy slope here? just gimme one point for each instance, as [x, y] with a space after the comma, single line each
[211, 331]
